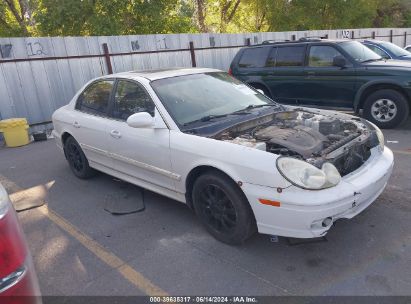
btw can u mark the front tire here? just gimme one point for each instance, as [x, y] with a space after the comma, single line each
[222, 208]
[77, 159]
[386, 108]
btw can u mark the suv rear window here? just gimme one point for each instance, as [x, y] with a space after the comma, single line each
[289, 56]
[254, 57]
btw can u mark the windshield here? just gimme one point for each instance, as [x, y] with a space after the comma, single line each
[359, 52]
[193, 97]
[396, 50]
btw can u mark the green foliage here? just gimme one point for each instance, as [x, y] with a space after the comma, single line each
[122, 17]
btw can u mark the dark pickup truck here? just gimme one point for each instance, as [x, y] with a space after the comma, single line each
[324, 73]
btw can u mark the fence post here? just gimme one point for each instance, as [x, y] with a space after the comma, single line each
[373, 35]
[352, 35]
[293, 37]
[391, 35]
[107, 57]
[405, 39]
[193, 55]
[247, 41]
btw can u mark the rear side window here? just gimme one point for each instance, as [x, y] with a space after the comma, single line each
[287, 56]
[95, 98]
[254, 57]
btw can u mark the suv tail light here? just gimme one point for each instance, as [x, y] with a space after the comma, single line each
[230, 71]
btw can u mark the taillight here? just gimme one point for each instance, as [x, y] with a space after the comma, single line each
[13, 251]
[230, 71]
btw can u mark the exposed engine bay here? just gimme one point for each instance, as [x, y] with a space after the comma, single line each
[310, 136]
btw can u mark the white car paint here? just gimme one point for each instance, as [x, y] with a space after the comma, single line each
[161, 157]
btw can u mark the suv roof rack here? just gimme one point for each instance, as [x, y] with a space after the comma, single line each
[302, 39]
[274, 41]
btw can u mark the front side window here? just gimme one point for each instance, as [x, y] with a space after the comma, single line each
[131, 98]
[395, 49]
[378, 51]
[95, 98]
[290, 56]
[254, 57]
[358, 51]
[322, 56]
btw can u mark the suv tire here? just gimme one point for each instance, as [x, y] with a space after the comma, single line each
[223, 208]
[386, 108]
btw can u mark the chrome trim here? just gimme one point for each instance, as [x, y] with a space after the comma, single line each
[146, 166]
[13, 278]
[133, 162]
[94, 149]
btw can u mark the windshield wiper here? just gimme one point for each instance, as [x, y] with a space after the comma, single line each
[205, 118]
[252, 106]
[371, 60]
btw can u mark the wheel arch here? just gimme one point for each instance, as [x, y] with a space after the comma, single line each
[369, 88]
[256, 84]
[198, 171]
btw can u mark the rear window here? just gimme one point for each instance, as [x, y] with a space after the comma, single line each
[287, 56]
[254, 57]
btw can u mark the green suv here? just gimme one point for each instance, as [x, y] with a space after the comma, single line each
[333, 74]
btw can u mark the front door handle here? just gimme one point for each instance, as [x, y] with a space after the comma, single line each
[76, 124]
[115, 134]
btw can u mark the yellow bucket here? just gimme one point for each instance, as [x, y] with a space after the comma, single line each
[15, 131]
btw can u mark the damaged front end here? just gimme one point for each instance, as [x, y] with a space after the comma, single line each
[309, 135]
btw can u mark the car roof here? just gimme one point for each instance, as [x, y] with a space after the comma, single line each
[307, 40]
[156, 74]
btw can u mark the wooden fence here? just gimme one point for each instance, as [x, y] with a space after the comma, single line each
[39, 75]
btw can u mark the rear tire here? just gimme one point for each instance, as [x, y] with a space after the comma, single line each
[77, 159]
[223, 208]
[386, 108]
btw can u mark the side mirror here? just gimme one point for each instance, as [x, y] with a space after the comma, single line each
[260, 91]
[339, 61]
[140, 120]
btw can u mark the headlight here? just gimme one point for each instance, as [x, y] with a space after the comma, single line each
[380, 135]
[306, 176]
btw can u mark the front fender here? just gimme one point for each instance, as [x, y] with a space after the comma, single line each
[364, 87]
[241, 163]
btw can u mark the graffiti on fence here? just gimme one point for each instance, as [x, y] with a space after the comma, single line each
[5, 50]
[162, 44]
[134, 45]
[212, 41]
[35, 49]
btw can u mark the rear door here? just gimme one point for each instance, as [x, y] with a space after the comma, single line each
[251, 65]
[285, 73]
[91, 120]
[325, 84]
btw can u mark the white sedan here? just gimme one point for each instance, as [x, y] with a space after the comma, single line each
[243, 162]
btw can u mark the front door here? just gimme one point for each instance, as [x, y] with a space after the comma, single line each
[325, 84]
[142, 153]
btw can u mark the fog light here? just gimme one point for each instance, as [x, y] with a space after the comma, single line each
[327, 222]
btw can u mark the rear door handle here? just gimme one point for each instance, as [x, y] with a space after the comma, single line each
[76, 124]
[310, 73]
[115, 134]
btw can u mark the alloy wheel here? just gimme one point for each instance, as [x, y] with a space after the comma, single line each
[218, 209]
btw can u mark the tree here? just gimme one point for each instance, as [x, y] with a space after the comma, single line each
[16, 18]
